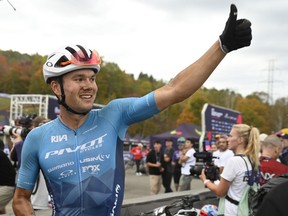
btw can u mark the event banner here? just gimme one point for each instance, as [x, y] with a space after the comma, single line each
[217, 120]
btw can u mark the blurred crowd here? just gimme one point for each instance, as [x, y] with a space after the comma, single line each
[168, 167]
[10, 162]
[263, 157]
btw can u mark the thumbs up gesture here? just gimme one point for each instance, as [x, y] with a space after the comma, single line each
[237, 33]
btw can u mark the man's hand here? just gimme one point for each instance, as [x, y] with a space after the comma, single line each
[237, 33]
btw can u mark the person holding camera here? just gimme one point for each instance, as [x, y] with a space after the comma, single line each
[81, 151]
[7, 180]
[187, 160]
[40, 196]
[241, 171]
[24, 125]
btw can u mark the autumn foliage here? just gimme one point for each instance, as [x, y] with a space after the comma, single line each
[22, 74]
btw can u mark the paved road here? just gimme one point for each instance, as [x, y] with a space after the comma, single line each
[135, 187]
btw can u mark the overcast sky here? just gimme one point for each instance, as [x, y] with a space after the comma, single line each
[157, 37]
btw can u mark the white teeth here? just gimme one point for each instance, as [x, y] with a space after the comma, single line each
[86, 97]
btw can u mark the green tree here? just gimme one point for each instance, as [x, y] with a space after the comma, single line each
[196, 105]
[12, 83]
[186, 116]
[279, 114]
[37, 84]
[113, 83]
[22, 74]
[254, 113]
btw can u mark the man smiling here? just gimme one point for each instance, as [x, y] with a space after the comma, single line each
[77, 183]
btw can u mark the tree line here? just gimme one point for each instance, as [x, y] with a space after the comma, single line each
[22, 74]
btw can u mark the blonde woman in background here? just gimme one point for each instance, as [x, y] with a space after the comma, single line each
[240, 171]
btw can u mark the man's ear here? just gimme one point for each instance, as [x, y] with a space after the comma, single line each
[55, 87]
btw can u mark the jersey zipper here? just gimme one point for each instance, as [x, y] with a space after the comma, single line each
[78, 167]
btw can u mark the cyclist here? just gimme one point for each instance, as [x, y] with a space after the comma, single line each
[81, 151]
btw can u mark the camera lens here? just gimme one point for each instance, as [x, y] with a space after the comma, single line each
[9, 130]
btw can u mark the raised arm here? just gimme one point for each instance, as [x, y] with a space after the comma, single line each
[237, 34]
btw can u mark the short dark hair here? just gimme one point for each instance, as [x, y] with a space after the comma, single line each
[56, 78]
[157, 142]
[191, 140]
[169, 139]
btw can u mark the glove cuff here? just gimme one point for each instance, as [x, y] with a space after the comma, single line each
[223, 47]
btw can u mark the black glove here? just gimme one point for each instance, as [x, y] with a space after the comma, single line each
[237, 33]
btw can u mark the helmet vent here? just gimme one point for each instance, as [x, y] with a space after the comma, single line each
[81, 55]
[62, 59]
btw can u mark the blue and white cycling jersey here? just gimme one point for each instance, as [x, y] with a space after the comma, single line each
[84, 168]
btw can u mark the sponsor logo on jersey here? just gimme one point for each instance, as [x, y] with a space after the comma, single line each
[60, 166]
[99, 157]
[117, 191]
[93, 144]
[67, 173]
[59, 138]
[91, 169]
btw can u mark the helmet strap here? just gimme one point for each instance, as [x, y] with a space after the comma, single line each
[61, 101]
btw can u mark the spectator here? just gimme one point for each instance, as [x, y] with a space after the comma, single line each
[223, 153]
[26, 124]
[7, 179]
[137, 157]
[283, 135]
[40, 197]
[167, 174]
[262, 137]
[187, 160]
[145, 153]
[153, 162]
[240, 171]
[270, 167]
[216, 153]
[175, 162]
[214, 148]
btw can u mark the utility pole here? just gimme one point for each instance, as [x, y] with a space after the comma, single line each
[270, 81]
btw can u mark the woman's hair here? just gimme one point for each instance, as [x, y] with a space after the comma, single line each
[251, 141]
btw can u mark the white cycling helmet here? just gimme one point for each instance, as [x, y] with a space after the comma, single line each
[70, 58]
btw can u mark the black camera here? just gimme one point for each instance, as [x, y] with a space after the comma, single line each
[25, 123]
[9, 130]
[211, 171]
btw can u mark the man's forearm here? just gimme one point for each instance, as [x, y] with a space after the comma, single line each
[188, 81]
[183, 159]
[22, 207]
[193, 77]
